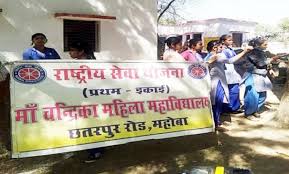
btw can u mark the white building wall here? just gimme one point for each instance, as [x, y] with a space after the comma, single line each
[133, 35]
[248, 30]
[214, 29]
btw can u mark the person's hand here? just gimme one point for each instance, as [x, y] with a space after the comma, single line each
[213, 58]
[279, 56]
[275, 58]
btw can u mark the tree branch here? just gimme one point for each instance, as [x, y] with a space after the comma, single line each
[165, 9]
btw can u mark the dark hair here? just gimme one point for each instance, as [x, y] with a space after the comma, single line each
[186, 43]
[185, 46]
[257, 42]
[173, 41]
[211, 45]
[37, 34]
[224, 37]
[83, 46]
[194, 42]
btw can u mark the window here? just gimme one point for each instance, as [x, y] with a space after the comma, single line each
[197, 36]
[237, 39]
[188, 37]
[81, 30]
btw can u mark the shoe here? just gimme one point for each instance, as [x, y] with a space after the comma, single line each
[238, 115]
[257, 115]
[239, 111]
[226, 123]
[221, 129]
[93, 157]
[252, 118]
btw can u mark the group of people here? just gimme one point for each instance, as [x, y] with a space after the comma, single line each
[220, 57]
[229, 72]
[38, 51]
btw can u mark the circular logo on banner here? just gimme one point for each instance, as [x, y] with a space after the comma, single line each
[29, 74]
[197, 71]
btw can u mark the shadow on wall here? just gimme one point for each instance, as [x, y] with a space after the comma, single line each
[135, 27]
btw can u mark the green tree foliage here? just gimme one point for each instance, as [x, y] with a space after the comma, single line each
[284, 25]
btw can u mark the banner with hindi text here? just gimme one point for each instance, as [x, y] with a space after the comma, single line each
[63, 106]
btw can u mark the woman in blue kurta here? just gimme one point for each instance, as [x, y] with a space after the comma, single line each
[39, 51]
[255, 79]
[219, 86]
[233, 78]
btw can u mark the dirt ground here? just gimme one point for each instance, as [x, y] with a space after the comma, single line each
[258, 145]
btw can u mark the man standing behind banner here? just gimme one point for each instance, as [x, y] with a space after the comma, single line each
[81, 51]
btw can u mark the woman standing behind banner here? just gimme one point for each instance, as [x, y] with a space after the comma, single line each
[198, 47]
[81, 51]
[172, 54]
[39, 51]
[255, 79]
[190, 55]
[219, 86]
